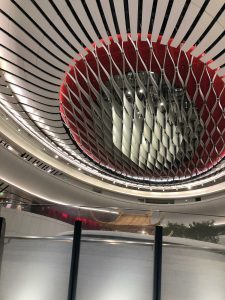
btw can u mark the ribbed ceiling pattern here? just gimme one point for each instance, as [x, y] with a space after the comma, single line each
[40, 39]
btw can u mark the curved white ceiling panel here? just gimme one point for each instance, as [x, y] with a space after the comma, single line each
[42, 40]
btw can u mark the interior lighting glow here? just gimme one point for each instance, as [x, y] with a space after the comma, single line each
[98, 209]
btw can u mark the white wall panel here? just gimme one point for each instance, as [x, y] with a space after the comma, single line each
[119, 270]
[38, 269]
[28, 224]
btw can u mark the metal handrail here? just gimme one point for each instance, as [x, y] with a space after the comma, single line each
[117, 240]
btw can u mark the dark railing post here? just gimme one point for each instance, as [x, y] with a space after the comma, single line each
[2, 235]
[74, 261]
[157, 263]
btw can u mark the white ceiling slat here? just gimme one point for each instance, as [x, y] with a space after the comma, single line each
[29, 86]
[214, 51]
[30, 43]
[120, 14]
[175, 12]
[93, 8]
[211, 36]
[146, 16]
[67, 14]
[28, 94]
[189, 17]
[78, 7]
[6, 41]
[108, 15]
[43, 23]
[213, 8]
[197, 32]
[41, 115]
[17, 71]
[36, 105]
[159, 17]
[21, 63]
[218, 62]
[47, 8]
[221, 72]
[133, 15]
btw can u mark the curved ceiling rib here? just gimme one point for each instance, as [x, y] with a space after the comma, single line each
[41, 40]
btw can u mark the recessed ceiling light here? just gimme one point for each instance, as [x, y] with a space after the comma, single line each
[18, 129]
[56, 156]
[79, 169]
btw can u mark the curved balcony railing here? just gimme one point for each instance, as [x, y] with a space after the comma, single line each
[112, 265]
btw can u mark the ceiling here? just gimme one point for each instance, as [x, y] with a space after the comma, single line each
[130, 92]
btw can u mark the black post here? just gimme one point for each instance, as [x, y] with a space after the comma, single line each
[2, 235]
[157, 263]
[74, 261]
